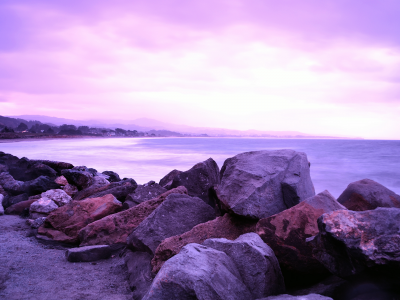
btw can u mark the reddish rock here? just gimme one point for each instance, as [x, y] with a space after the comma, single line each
[71, 190]
[116, 228]
[72, 217]
[18, 208]
[227, 226]
[61, 180]
[57, 235]
[287, 231]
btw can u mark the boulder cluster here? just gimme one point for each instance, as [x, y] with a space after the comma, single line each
[253, 230]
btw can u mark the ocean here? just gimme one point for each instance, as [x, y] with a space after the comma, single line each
[334, 163]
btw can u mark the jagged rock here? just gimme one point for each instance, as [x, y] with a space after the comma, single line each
[287, 231]
[143, 193]
[354, 244]
[166, 181]
[303, 297]
[112, 176]
[198, 272]
[115, 228]
[10, 185]
[119, 189]
[98, 184]
[54, 235]
[367, 194]
[72, 217]
[1, 205]
[43, 206]
[81, 179]
[71, 190]
[88, 253]
[13, 200]
[61, 180]
[176, 215]
[19, 207]
[255, 261]
[35, 224]
[40, 185]
[58, 166]
[260, 184]
[58, 196]
[227, 226]
[139, 269]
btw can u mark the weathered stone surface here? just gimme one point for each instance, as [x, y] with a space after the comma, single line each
[71, 190]
[40, 185]
[55, 235]
[58, 196]
[139, 269]
[61, 180]
[303, 297]
[1, 205]
[13, 200]
[119, 189]
[36, 223]
[143, 193]
[112, 176]
[98, 184]
[166, 181]
[72, 217]
[198, 272]
[260, 184]
[367, 243]
[10, 185]
[255, 261]
[176, 215]
[88, 253]
[81, 179]
[227, 226]
[115, 228]
[19, 207]
[287, 231]
[58, 166]
[43, 205]
[367, 194]
[2, 191]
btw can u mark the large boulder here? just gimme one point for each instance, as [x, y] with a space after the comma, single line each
[20, 207]
[176, 215]
[260, 184]
[42, 207]
[119, 189]
[367, 194]
[143, 193]
[89, 253]
[80, 178]
[112, 176]
[227, 226]
[255, 261]
[71, 218]
[198, 180]
[139, 270]
[10, 185]
[58, 166]
[354, 244]
[34, 171]
[98, 184]
[40, 185]
[115, 228]
[198, 272]
[287, 231]
[13, 200]
[58, 196]
[166, 181]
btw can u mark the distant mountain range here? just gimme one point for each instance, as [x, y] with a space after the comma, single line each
[145, 124]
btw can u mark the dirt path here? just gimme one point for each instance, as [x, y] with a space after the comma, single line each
[31, 270]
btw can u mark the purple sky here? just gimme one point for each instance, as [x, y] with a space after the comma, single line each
[320, 67]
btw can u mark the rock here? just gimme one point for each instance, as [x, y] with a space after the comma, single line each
[71, 190]
[303, 297]
[198, 272]
[255, 261]
[115, 228]
[61, 180]
[112, 176]
[88, 253]
[139, 270]
[354, 244]
[72, 217]
[176, 215]
[19, 207]
[81, 179]
[40, 185]
[58, 196]
[287, 231]
[43, 206]
[36, 170]
[143, 193]
[198, 180]
[56, 236]
[367, 194]
[329, 287]
[55, 165]
[166, 181]
[13, 200]
[119, 189]
[229, 227]
[10, 185]
[1, 205]
[260, 184]
[2, 191]
[36, 223]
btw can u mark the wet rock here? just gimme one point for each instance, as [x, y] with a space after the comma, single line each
[260, 184]
[88, 253]
[19, 207]
[143, 193]
[287, 231]
[61, 180]
[72, 217]
[198, 272]
[227, 226]
[81, 179]
[115, 228]
[255, 261]
[303, 297]
[139, 269]
[166, 181]
[367, 194]
[1, 205]
[71, 190]
[354, 244]
[112, 176]
[176, 215]
[58, 196]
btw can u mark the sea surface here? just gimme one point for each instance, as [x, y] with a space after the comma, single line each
[334, 163]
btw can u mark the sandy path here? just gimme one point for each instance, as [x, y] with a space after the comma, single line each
[30, 270]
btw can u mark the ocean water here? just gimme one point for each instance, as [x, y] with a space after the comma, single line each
[334, 163]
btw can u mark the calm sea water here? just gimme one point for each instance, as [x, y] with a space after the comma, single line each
[334, 163]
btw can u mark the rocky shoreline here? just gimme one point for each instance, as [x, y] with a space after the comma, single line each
[254, 229]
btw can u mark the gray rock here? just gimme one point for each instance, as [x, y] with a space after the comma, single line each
[58, 196]
[88, 253]
[10, 185]
[112, 176]
[166, 181]
[255, 261]
[303, 297]
[260, 184]
[367, 194]
[176, 215]
[143, 193]
[119, 189]
[139, 269]
[36, 223]
[1, 205]
[198, 272]
[43, 206]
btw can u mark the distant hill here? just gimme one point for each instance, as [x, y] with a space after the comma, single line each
[14, 122]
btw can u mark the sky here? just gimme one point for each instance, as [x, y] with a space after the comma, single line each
[315, 66]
